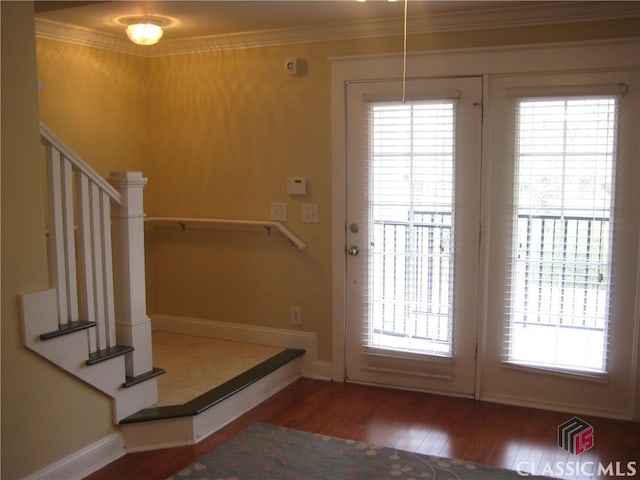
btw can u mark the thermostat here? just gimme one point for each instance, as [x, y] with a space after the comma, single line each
[297, 186]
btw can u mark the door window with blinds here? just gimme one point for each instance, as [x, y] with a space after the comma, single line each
[413, 190]
[558, 301]
[411, 184]
[562, 241]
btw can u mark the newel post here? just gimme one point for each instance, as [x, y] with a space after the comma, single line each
[133, 326]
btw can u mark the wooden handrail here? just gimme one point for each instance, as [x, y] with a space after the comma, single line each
[182, 222]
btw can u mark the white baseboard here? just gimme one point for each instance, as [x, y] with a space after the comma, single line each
[322, 370]
[275, 337]
[85, 461]
[570, 409]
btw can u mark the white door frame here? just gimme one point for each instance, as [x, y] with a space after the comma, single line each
[454, 372]
[487, 62]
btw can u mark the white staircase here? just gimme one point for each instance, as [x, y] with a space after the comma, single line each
[92, 322]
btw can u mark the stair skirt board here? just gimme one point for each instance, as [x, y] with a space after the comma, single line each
[188, 430]
[69, 352]
[67, 348]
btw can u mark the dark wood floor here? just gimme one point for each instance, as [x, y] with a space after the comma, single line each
[481, 432]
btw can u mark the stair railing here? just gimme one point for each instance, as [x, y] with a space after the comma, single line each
[85, 254]
[80, 263]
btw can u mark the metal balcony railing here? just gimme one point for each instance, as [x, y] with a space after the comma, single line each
[411, 265]
[559, 274]
[561, 271]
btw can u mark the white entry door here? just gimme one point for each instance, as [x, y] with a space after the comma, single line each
[413, 209]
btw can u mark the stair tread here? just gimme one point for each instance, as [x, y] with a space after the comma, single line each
[68, 328]
[153, 373]
[217, 394]
[108, 353]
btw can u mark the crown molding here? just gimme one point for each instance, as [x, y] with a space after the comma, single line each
[509, 16]
[85, 37]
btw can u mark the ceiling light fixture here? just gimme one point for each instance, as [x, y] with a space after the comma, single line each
[144, 33]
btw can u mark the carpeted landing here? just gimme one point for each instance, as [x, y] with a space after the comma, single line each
[196, 365]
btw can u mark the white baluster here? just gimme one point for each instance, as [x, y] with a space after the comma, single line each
[98, 268]
[56, 232]
[86, 293]
[69, 240]
[109, 308]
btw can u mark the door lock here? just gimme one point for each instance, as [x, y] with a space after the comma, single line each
[353, 250]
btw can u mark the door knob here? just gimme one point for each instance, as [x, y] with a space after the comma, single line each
[353, 250]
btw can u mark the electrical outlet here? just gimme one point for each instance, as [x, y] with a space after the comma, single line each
[279, 212]
[295, 315]
[310, 213]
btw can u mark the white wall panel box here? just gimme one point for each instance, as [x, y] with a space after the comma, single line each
[297, 186]
[293, 66]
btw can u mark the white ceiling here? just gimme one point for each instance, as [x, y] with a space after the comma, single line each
[188, 19]
[196, 25]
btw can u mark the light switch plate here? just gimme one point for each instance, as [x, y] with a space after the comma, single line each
[295, 314]
[278, 212]
[310, 213]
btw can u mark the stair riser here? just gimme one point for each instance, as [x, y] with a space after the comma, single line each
[214, 419]
[189, 430]
[135, 398]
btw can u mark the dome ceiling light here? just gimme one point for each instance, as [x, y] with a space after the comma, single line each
[145, 29]
[144, 33]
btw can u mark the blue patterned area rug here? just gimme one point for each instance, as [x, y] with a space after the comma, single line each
[267, 452]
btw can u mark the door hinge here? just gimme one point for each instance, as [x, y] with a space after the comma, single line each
[479, 104]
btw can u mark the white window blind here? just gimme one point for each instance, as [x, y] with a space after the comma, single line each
[411, 195]
[558, 302]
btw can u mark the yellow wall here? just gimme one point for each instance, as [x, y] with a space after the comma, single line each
[46, 414]
[228, 129]
[95, 101]
[217, 134]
